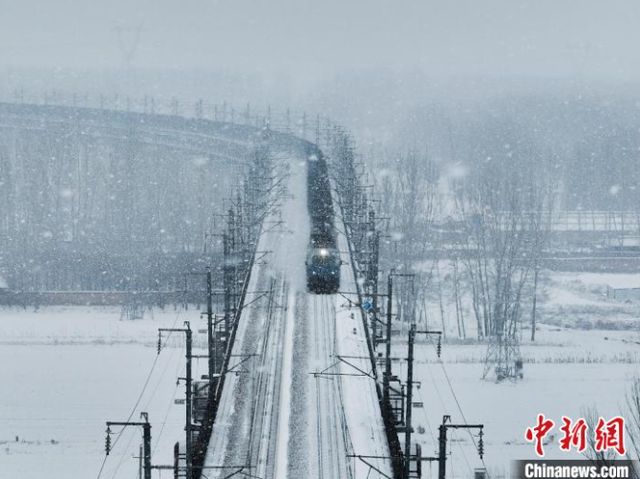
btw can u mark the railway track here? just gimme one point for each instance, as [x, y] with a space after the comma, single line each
[265, 433]
[329, 439]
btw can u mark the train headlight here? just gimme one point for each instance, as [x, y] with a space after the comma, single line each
[324, 252]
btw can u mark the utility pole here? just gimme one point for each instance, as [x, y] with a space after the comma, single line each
[146, 440]
[376, 259]
[189, 390]
[372, 273]
[442, 455]
[409, 394]
[387, 369]
[387, 373]
[409, 409]
[228, 277]
[210, 338]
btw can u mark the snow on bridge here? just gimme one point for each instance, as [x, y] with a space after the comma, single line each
[296, 410]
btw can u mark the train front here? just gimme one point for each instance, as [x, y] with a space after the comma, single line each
[323, 270]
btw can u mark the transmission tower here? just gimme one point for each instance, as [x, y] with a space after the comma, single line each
[128, 42]
[503, 353]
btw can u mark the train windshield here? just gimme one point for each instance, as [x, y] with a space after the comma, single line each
[323, 256]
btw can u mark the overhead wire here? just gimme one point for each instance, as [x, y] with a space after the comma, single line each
[459, 406]
[426, 417]
[464, 455]
[164, 371]
[133, 410]
[173, 396]
[164, 421]
[124, 451]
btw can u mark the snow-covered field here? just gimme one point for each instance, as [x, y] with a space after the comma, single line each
[564, 380]
[65, 371]
[586, 353]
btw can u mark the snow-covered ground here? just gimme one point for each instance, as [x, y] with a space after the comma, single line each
[586, 353]
[66, 371]
[564, 380]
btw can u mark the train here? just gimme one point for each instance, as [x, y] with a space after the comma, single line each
[323, 257]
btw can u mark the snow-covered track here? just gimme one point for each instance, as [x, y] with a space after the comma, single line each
[329, 440]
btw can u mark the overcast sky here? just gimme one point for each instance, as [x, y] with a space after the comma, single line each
[592, 38]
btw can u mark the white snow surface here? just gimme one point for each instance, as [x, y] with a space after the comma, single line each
[66, 371]
[359, 397]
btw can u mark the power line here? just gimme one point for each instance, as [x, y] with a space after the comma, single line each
[455, 397]
[464, 455]
[124, 451]
[164, 371]
[144, 388]
[426, 417]
[173, 396]
[166, 416]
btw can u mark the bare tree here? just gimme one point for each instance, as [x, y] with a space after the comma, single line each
[497, 263]
[505, 207]
[632, 432]
[410, 198]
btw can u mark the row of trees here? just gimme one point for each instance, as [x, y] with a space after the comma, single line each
[480, 230]
[109, 203]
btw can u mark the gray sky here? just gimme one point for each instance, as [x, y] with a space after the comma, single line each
[588, 38]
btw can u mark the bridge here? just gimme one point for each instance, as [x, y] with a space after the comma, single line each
[293, 387]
